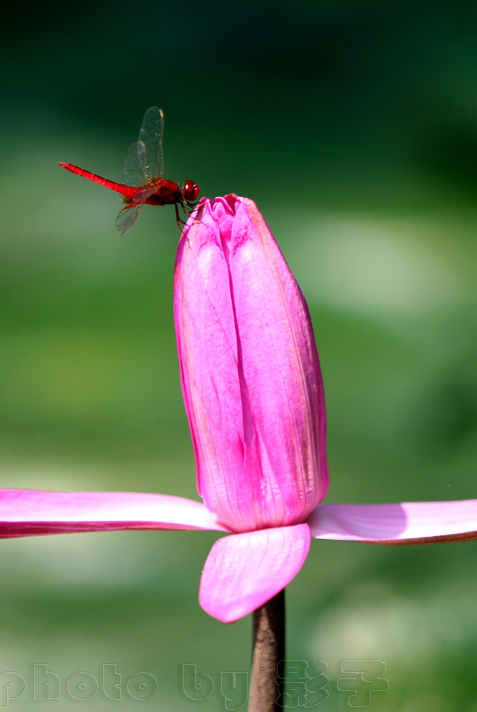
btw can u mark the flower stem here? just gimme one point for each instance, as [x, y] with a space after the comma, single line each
[268, 652]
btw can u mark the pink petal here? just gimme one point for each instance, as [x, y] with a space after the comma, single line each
[244, 571]
[249, 369]
[207, 347]
[406, 523]
[32, 512]
[281, 374]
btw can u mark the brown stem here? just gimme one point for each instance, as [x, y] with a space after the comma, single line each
[268, 652]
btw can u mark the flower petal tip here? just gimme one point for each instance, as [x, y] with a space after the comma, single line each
[33, 512]
[244, 571]
[405, 523]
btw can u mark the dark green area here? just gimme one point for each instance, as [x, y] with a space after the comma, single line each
[353, 125]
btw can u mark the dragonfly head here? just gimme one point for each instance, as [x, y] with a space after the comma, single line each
[190, 190]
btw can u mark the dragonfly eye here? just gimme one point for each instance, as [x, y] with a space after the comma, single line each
[191, 190]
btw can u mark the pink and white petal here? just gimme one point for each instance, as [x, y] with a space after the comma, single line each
[282, 385]
[406, 523]
[244, 571]
[207, 349]
[33, 512]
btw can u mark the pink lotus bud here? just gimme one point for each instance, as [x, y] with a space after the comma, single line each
[249, 370]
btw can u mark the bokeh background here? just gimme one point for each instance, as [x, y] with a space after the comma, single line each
[353, 125]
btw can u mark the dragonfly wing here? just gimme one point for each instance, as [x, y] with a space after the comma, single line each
[133, 173]
[127, 217]
[149, 145]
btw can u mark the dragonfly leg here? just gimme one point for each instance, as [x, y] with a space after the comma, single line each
[185, 203]
[178, 220]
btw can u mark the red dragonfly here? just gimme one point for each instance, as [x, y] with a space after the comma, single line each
[142, 181]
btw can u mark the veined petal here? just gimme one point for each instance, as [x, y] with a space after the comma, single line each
[406, 523]
[33, 512]
[249, 370]
[244, 571]
[207, 348]
[281, 374]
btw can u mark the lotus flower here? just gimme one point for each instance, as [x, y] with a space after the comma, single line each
[254, 399]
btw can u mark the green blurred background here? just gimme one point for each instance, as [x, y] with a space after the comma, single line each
[353, 125]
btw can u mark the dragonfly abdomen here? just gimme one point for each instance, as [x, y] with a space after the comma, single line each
[125, 190]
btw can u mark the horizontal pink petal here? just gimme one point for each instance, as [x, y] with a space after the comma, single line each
[244, 571]
[406, 523]
[32, 512]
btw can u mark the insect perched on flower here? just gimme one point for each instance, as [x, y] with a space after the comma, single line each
[142, 182]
